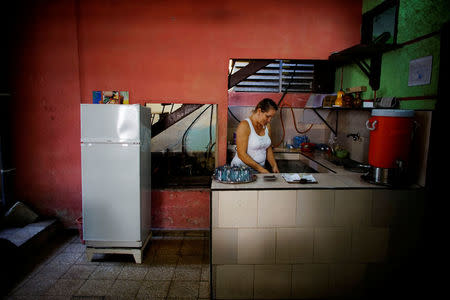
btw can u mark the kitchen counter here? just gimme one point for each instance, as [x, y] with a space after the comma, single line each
[324, 181]
[329, 176]
[279, 240]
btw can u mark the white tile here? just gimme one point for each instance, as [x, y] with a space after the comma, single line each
[272, 281]
[384, 208]
[347, 279]
[332, 244]
[224, 246]
[256, 246]
[238, 208]
[234, 281]
[369, 244]
[294, 245]
[310, 281]
[276, 208]
[315, 208]
[352, 207]
[392, 207]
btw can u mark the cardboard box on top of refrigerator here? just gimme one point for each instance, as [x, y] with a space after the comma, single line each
[110, 97]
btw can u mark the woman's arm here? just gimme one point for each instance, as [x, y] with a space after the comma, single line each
[270, 155]
[242, 135]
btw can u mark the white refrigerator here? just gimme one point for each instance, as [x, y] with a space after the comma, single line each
[115, 168]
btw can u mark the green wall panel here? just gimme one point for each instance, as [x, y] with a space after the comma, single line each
[395, 69]
[416, 18]
[420, 17]
[370, 4]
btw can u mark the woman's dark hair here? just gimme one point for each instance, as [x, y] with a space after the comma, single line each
[266, 104]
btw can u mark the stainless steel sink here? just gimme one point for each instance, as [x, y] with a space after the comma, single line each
[294, 166]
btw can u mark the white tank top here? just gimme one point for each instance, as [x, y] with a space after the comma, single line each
[256, 148]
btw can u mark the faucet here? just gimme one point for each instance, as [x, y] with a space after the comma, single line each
[331, 145]
[355, 136]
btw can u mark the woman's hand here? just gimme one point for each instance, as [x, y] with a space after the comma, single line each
[275, 169]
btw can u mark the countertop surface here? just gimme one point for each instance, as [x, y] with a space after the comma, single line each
[331, 176]
[324, 181]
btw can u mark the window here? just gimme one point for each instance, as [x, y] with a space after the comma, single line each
[379, 25]
[276, 77]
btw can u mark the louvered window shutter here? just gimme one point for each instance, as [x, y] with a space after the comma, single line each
[295, 76]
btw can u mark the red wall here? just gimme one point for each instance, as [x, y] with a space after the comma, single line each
[171, 51]
[180, 209]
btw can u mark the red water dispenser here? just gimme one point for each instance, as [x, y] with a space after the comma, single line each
[390, 142]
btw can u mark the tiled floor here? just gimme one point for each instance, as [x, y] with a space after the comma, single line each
[175, 266]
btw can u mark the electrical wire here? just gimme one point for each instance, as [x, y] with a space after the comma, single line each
[183, 140]
[231, 113]
[292, 111]
[289, 84]
[295, 122]
[209, 147]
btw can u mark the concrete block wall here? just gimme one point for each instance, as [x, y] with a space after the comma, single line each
[307, 243]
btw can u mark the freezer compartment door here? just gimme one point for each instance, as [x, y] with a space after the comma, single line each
[110, 123]
[111, 194]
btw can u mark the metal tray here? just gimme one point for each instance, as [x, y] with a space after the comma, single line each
[235, 182]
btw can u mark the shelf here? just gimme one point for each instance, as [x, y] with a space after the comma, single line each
[341, 108]
[359, 53]
[337, 109]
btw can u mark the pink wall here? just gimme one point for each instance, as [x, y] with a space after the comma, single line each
[171, 51]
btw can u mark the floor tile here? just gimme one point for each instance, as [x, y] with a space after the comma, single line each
[185, 289]
[79, 272]
[187, 273]
[175, 266]
[151, 289]
[35, 287]
[167, 247]
[47, 297]
[125, 288]
[133, 272]
[94, 287]
[82, 260]
[192, 247]
[191, 260]
[65, 287]
[205, 273]
[161, 272]
[53, 270]
[165, 259]
[203, 291]
[106, 272]
[74, 247]
[66, 258]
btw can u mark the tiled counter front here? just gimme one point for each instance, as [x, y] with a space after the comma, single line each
[307, 243]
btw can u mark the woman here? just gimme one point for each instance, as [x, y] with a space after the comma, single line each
[253, 142]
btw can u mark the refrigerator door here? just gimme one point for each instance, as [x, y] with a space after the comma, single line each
[111, 194]
[110, 123]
